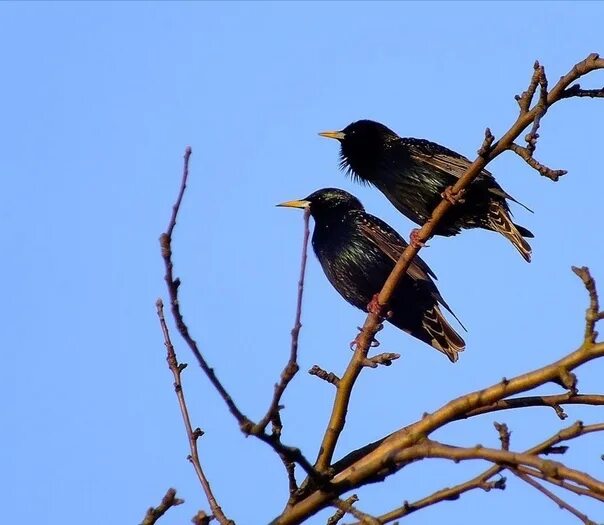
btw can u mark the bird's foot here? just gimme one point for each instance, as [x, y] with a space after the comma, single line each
[353, 344]
[414, 239]
[453, 198]
[374, 307]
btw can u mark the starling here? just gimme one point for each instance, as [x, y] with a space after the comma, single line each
[415, 174]
[358, 251]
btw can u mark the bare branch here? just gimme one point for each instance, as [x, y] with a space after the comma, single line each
[504, 435]
[485, 148]
[593, 314]
[526, 154]
[168, 501]
[347, 507]
[245, 424]
[571, 487]
[538, 401]
[541, 110]
[339, 514]
[201, 518]
[290, 468]
[291, 368]
[557, 500]
[192, 434]
[380, 359]
[576, 91]
[447, 494]
[481, 481]
[433, 449]
[165, 241]
[526, 98]
[330, 377]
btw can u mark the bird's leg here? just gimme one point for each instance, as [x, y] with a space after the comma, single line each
[355, 341]
[453, 198]
[374, 307]
[413, 239]
[374, 343]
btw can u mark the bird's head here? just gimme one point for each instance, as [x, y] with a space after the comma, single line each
[362, 144]
[326, 202]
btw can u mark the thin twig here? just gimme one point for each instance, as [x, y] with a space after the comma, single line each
[434, 449]
[526, 154]
[592, 315]
[380, 359]
[538, 401]
[489, 138]
[541, 109]
[330, 377]
[245, 424]
[576, 91]
[291, 368]
[557, 500]
[165, 241]
[201, 518]
[447, 494]
[192, 434]
[347, 507]
[571, 487]
[290, 468]
[525, 99]
[168, 501]
[481, 481]
[339, 514]
[504, 435]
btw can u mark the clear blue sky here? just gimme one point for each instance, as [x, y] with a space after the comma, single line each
[99, 102]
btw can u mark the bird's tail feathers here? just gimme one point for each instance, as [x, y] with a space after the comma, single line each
[524, 232]
[441, 334]
[500, 221]
[519, 203]
[443, 303]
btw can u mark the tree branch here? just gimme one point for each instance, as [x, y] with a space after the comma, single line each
[370, 467]
[557, 500]
[330, 377]
[347, 507]
[593, 314]
[539, 401]
[168, 501]
[571, 487]
[481, 481]
[339, 514]
[291, 368]
[246, 425]
[192, 435]
[165, 241]
[433, 449]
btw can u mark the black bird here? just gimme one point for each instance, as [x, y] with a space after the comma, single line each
[414, 174]
[358, 251]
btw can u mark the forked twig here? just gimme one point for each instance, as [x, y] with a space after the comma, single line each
[154, 513]
[291, 368]
[192, 434]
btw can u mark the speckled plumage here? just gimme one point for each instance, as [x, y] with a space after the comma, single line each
[357, 252]
[413, 173]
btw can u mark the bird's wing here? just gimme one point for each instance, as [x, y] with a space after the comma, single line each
[453, 163]
[392, 244]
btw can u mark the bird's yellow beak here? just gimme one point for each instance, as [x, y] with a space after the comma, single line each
[295, 204]
[338, 135]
